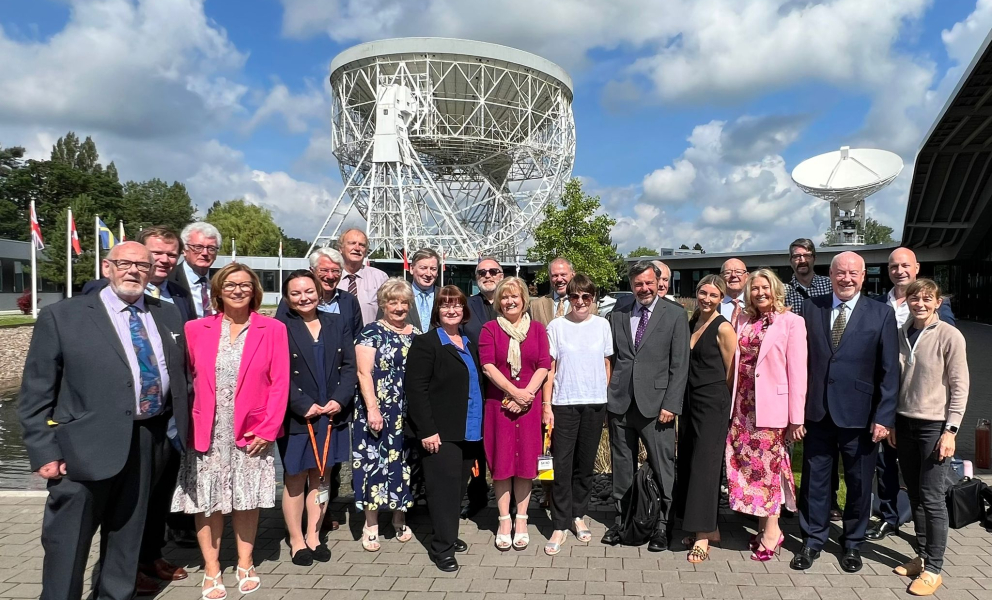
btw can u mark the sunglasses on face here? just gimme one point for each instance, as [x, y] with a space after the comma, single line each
[583, 297]
[490, 272]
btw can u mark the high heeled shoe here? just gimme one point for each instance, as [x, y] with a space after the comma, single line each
[753, 541]
[763, 554]
[503, 540]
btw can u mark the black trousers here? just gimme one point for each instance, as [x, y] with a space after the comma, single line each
[702, 439]
[478, 487]
[926, 484]
[164, 476]
[117, 506]
[446, 474]
[887, 473]
[574, 442]
[659, 441]
[821, 445]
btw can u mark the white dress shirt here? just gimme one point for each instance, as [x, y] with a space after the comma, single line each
[194, 288]
[901, 308]
[836, 311]
[727, 308]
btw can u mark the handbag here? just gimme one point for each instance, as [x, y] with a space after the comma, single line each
[966, 503]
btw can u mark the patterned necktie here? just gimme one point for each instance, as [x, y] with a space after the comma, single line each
[736, 314]
[839, 324]
[150, 400]
[155, 292]
[560, 312]
[352, 284]
[641, 326]
[204, 298]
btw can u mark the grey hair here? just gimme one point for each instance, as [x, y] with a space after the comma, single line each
[394, 288]
[334, 256]
[643, 266]
[833, 261]
[203, 228]
[562, 259]
[347, 231]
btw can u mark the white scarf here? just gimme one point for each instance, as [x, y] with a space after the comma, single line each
[517, 333]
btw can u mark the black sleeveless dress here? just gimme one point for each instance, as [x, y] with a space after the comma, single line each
[703, 432]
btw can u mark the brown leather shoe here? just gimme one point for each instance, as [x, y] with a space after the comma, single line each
[911, 569]
[164, 570]
[145, 585]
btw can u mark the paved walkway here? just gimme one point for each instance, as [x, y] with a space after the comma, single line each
[581, 571]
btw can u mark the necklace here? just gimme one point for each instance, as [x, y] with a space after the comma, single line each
[386, 324]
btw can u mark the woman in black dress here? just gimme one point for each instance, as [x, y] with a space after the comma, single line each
[324, 376]
[705, 418]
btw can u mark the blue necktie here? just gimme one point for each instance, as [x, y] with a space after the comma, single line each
[423, 310]
[150, 400]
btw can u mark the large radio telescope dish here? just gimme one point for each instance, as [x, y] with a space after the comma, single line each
[454, 145]
[845, 178]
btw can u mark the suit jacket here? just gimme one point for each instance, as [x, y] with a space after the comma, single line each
[542, 309]
[413, 317]
[436, 385]
[944, 311]
[340, 370]
[858, 383]
[348, 304]
[263, 379]
[780, 373]
[479, 316]
[180, 295]
[178, 277]
[654, 376]
[77, 375]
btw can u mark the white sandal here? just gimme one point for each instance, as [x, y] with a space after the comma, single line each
[370, 539]
[552, 548]
[246, 579]
[522, 537]
[218, 586]
[504, 540]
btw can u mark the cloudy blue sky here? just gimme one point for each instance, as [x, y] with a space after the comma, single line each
[690, 114]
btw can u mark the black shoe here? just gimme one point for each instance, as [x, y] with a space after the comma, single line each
[612, 536]
[804, 559]
[659, 542]
[851, 562]
[460, 546]
[303, 557]
[446, 564]
[321, 553]
[881, 532]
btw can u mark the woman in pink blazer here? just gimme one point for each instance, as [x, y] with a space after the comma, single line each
[769, 409]
[239, 361]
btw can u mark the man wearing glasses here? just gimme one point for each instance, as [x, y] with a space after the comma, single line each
[103, 374]
[805, 282]
[734, 273]
[201, 242]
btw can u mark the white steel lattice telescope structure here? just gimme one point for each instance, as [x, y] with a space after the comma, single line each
[846, 178]
[454, 145]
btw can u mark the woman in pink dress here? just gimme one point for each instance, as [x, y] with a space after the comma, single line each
[515, 356]
[769, 409]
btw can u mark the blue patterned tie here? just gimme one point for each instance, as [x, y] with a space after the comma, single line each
[151, 383]
[423, 311]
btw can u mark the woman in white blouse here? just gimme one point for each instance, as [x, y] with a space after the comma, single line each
[574, 406]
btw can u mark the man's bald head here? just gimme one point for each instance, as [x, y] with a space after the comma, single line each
[847, 274]
[664, 282]
[128, 267]
[734, 273]
[903, 269]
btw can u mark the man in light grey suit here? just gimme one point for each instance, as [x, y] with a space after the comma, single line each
[650, 370]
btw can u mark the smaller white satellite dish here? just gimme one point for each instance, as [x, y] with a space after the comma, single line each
[845, 178]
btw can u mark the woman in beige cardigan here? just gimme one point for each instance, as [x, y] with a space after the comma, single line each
[933, 394]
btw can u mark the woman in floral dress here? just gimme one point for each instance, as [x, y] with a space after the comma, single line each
[380, 471]
[769, 408]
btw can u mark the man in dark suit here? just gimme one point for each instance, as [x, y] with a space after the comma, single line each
[424, 267]
[650, 372]
[103, 373]
[903, 270]
[850, 406]
[627, 301]
[326, 264]
[200, 244]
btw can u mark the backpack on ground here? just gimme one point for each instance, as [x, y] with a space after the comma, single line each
[641, 507]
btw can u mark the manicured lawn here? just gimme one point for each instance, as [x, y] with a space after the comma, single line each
[13, 320]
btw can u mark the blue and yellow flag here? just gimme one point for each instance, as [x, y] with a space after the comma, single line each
[107, 239]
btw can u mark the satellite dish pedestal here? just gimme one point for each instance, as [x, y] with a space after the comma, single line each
[846, 178]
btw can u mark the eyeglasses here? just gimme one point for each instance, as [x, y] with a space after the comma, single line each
[334, 272]
[452, 306]
[737, 272]
[197, 248]
[245, 286]
[583, 297]
[490, 272]
[805, 256]
[125, 265]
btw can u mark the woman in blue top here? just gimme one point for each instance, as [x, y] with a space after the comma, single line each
[444, 408]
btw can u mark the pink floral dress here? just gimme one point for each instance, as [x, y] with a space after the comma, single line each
[759, 468]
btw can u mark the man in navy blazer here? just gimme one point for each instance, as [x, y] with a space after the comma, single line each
[850, 406]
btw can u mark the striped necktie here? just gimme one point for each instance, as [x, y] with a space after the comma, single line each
[352, 285]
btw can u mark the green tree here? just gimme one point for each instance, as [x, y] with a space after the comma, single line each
[698, 247]
[573, 229]
[683, 247]
[876, 233]
[293, 247]
[251, 225]
[642, 251]
[68, 151]
[11, 158]
[53, 267]
[155, 202]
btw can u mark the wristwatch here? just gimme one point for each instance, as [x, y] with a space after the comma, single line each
[952, 428]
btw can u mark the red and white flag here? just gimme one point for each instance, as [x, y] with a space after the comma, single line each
[36, 239]
[75, 237]
[406, 265]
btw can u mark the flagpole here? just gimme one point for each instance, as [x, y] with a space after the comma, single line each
[280, 267]
[68, 254]
[96, 243]
[234, 251]
[120, 230]
[34, 269]
[442, 266]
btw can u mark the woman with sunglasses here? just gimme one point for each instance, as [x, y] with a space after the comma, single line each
[574, 407]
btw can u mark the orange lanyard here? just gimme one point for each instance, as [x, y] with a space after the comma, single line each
[327, 444]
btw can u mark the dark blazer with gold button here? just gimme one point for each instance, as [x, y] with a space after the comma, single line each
[339, 367]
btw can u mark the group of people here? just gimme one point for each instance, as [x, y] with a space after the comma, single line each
[417, 384]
